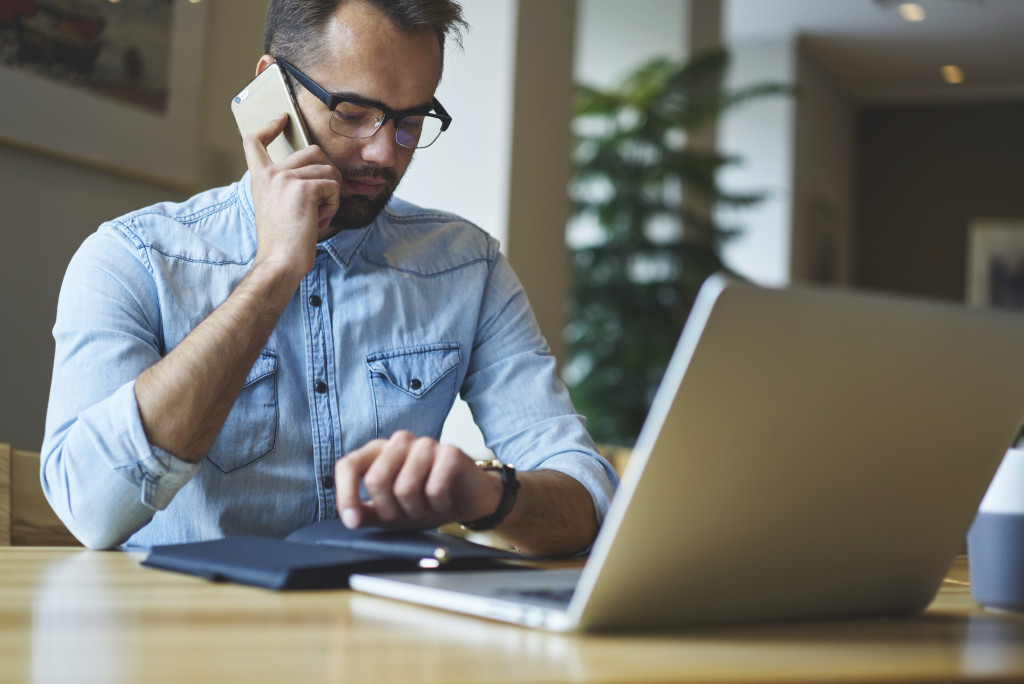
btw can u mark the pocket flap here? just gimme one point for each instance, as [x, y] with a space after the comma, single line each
[414, 370]
[266, 363]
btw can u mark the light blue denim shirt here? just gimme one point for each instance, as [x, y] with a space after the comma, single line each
[393, 321]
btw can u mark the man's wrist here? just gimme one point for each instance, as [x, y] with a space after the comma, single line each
[509, 492]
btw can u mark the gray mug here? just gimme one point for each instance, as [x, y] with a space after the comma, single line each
[995, 543]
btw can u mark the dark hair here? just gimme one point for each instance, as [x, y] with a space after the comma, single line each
[294, 28]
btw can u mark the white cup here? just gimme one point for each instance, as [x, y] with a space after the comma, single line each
[995, 543]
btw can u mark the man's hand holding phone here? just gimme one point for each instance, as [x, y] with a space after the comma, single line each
[294, 200]
[295, 187]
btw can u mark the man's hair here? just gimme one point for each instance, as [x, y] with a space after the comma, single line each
[294, 28]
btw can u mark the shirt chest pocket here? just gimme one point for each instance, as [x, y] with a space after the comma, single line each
[250, 431]
[414, 388]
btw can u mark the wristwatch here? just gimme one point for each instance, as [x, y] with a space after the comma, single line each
[509, 489]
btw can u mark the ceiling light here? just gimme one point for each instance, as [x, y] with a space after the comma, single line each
[911, 11]
[952, 74]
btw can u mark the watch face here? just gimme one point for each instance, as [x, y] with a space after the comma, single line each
[490, 464]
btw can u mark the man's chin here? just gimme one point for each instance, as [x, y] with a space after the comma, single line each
[358, 211]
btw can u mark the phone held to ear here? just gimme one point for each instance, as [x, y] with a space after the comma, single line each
[264, 98]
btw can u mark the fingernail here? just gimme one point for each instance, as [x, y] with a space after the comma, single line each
[350, 518]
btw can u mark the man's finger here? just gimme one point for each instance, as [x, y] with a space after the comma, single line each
[379, 479]
[255, 144]
[411, 479]
[444, 479]
[348, 472]
[329, 202]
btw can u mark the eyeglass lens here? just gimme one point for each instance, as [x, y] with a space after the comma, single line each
[361, 121]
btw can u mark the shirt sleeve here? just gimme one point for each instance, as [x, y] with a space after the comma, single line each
[521, 406]
[98, 470]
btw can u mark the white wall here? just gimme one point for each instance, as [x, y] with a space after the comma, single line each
[614, 37]
[762, 132]
[467, 170]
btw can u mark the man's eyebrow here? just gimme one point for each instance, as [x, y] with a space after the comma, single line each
[349, 95]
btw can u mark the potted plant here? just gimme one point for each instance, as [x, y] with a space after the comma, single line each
[645, 250]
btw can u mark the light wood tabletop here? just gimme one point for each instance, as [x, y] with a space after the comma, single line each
[73, 615]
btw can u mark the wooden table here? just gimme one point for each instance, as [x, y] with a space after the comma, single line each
[72, 615]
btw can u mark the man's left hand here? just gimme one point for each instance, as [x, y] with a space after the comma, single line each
[413, 482]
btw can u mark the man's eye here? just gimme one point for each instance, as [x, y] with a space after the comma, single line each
[413, 124]
[352, 117]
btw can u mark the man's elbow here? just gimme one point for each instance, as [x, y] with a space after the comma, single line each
[93, 530]
[98, 540]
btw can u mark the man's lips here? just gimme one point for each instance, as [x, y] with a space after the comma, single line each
[364, 186]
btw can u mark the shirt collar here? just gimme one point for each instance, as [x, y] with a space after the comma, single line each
[343, 246]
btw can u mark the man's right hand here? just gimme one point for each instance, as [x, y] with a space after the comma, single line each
[294, 201]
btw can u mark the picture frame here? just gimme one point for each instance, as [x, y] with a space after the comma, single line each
[995, 263]
[60, 117]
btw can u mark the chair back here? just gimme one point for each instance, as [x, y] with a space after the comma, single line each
[26, 518]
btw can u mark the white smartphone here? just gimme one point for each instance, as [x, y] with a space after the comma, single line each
[264, 98]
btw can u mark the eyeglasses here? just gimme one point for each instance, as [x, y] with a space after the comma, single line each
[353, 117]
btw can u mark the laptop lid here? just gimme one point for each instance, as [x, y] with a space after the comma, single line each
[809, 454]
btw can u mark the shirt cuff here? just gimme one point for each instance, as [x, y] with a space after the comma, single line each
[157, 473]
[163, 474]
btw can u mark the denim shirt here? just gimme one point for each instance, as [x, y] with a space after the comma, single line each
[392, 322]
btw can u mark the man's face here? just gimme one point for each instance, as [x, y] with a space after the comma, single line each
[365, 56]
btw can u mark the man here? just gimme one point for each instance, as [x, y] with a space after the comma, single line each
[247, 360]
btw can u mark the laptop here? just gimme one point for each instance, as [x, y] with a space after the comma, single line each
[809, 454]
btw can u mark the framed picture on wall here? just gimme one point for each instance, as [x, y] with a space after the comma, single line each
[995, 263]
[117, 85]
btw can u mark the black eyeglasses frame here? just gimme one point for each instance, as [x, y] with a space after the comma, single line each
[331, 101]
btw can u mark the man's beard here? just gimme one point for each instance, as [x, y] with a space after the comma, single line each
[359, 211]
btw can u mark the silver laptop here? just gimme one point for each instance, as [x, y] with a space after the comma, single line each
[810, 454]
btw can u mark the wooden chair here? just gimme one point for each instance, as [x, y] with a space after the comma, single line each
[618, 456]
[26, 518]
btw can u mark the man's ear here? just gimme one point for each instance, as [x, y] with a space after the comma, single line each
[265, 61]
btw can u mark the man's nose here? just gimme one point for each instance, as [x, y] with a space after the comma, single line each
[382, 148]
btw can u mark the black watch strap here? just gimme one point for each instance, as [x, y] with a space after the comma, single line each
[509, 490]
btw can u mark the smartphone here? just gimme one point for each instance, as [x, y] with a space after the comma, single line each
[264, 98]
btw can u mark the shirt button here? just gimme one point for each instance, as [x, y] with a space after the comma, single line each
[415, 384]
[327, 481]
[314, 300]
[320, 387]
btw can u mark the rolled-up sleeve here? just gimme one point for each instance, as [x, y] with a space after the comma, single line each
[523, 409]
[98, 471]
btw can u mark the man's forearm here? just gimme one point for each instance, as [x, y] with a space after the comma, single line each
[554, 514]
[185, 398]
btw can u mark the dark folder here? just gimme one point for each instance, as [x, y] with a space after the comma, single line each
[323, 555]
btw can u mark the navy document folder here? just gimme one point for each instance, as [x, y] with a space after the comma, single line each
[322, 555]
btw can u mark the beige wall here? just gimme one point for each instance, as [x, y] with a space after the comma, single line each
[823, 168]
[49, 205]
[923, 174]
[541, 155]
